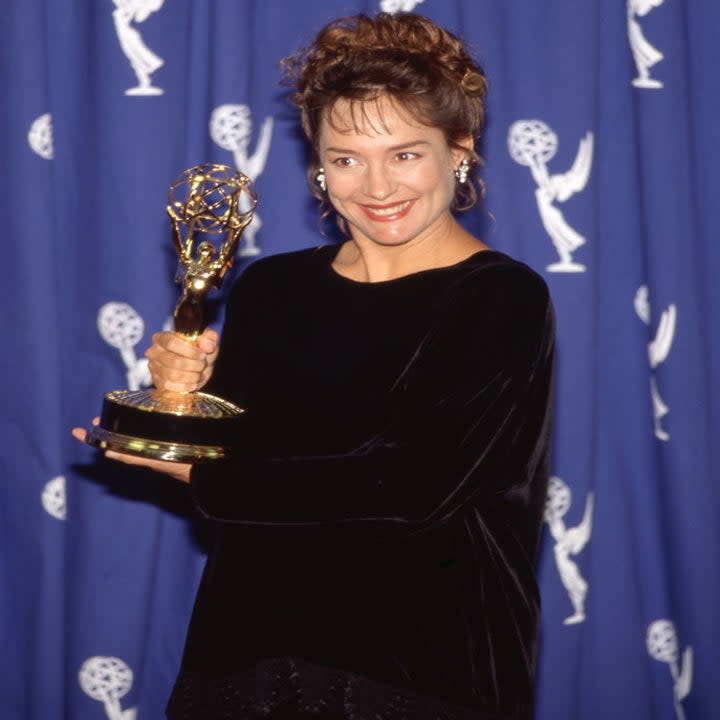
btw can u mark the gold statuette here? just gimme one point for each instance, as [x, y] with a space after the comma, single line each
[217, 203]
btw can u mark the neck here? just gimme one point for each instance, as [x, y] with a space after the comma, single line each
[364, 260]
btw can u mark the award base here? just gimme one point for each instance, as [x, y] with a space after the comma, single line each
[162, 425]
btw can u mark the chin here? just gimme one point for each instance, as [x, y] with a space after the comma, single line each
[391, 241]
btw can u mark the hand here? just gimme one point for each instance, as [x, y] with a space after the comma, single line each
[177, 471]
[181, 365]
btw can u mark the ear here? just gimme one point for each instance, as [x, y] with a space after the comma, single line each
[467, 146]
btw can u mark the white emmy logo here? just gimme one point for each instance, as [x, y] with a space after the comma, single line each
[662, 645]
[40, 136]
[143, 61]
[644, 53]
[658, 350]
[107, 679]
[53, 498]
[568, 541]
[231, 129]
[393, 6]
[121, 327]
[532, 143]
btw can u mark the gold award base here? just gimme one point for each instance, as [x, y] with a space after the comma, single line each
[162, 425]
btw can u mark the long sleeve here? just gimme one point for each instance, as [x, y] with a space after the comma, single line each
[467, 418]
[381, 519]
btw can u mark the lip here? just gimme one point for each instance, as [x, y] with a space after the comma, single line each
[404, 207]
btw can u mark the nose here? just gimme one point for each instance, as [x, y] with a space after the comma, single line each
[379, 183]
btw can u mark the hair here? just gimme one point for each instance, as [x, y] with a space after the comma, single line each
[424, 68]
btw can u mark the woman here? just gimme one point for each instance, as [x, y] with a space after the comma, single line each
[376, 537]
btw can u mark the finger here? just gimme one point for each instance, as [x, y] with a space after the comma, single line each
[177, 374]
[130, 459]
[206, 375]
[212, 357]
[125, 458]
[176, 344]
[173, 361]
[79, 434]
[176, 387]
[178, 471]
[183, 382]
[167, 359]
[208, 341]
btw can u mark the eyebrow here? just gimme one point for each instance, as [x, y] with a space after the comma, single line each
[401, 146]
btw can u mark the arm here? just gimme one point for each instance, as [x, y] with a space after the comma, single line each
[470, 416]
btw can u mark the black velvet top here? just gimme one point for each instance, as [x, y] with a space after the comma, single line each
[377, 535]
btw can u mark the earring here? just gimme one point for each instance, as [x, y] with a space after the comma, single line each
[462, 170]
[320, 179]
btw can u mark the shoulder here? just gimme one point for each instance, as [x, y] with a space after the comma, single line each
[289, 262]
[283, 269]
[499, 305]
[492, 266]
[494, 279]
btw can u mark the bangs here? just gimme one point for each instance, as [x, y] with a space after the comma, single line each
[365, 115]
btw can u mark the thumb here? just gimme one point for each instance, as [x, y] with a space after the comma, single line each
[208, 341]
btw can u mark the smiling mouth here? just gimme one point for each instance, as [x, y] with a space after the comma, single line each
[388, 212]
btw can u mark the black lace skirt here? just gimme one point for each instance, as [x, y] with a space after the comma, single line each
[285, 689]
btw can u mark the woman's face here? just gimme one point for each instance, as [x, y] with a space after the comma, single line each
[391, 178]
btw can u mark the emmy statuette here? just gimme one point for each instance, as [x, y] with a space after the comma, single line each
[214, 201]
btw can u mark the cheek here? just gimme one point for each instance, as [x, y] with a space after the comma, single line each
[435, 177]
[439, 183]
[341, 186]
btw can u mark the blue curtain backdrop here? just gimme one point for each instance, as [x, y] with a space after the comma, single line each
[602, 157]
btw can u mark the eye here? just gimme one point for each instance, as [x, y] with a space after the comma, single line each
[406, 155]
[344, 162]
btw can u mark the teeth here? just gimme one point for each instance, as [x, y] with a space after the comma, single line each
[390, 210]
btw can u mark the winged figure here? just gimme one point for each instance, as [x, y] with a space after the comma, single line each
[644, 54]
[569, 542]
[659, 347]
[559, 188]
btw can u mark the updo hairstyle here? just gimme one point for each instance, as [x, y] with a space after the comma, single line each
[427, 70]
